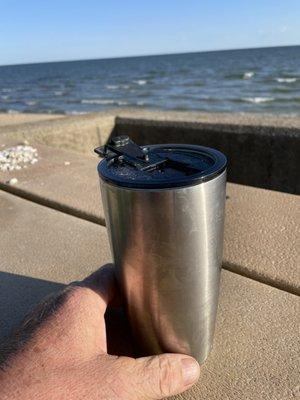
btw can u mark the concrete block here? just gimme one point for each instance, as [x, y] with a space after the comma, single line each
[262, 234]
[72, 188]
[261, 226]
[256, 347]
[40, 249]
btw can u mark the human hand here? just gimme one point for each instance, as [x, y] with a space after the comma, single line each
[61, 352]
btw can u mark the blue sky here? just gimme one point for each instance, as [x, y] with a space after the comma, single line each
[37, 30]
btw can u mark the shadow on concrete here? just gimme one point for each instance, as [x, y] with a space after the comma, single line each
[18, 295]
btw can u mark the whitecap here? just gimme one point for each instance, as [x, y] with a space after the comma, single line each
[114, 87]
[5, 90]
[122, 103]
[140, 103]
[4, 97]
[111, 87]
[258, 100]
[286, 80]
[58, 93]
[140, 82]
[13, 111]
[97, 101]
[248, 75]
[30, 103]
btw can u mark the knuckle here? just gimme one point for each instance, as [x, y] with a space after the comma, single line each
[78, 296]
[165, 376]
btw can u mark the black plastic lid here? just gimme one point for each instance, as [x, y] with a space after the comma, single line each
[159, 166]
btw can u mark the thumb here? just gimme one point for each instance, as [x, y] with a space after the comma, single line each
[165, 375]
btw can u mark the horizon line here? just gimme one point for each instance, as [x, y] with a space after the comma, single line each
[147, 55]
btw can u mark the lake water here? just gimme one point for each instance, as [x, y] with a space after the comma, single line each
[256, 80]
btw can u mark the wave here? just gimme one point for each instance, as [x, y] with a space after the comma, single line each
[105, 102]
[30, 102]
[240, 75]
[140, 82]
[43, 111]
[5, 97]
[286, 80]
[11, 111]
[59, 92]
[6, 90]
[258, 100]
[248, 75]
[114, 87]
[97, 101]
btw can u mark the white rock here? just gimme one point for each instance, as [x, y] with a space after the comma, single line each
[67, 163]
[13, 181]
[16, 157]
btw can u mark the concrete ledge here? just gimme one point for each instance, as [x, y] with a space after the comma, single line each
[13, 119]
[261, 227]
[262, 149]
[258, 155]
[256, 342]
[77, 133]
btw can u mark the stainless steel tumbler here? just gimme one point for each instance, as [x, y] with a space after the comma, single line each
[164, 210]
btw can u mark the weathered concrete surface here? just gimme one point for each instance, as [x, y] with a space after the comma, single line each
[38, 243]
[261, 227]
[262, 234]
[258, 154]
[239, 119]
[77, 133]
[12, 119]
[72, 188]
[256, 346]
[253, 341]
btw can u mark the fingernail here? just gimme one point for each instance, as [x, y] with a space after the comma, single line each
[190, 371]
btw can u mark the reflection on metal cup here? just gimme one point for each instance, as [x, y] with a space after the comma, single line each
[165, 218]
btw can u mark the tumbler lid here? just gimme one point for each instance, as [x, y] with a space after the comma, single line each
[158, 166]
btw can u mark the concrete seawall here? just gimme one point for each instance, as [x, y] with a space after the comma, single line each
[261, 156]
[262, 150]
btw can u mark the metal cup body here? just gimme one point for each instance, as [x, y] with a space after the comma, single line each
[167, 249]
